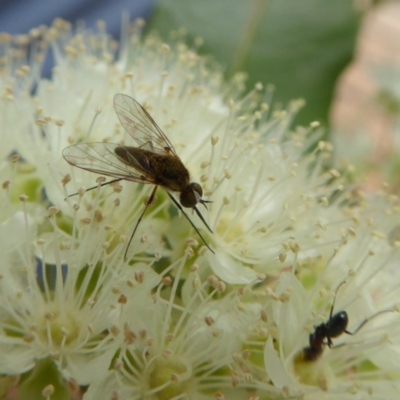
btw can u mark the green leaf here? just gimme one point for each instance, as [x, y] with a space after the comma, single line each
[299, 46]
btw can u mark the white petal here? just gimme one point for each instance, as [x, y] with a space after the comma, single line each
[230, 270]
[15, 360]
[86, 370]
[275, 368]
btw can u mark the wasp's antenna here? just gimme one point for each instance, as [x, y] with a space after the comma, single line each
[191, 223]
[95, 187]
[334, 298]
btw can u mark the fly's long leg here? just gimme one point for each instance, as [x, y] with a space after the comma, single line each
[201, 217]
[149, 201]
[95, 187]
[190, 221]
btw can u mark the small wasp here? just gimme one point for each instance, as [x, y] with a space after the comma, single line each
[154, 161]
[334, 327]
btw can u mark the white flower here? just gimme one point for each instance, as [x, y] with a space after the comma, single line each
[182, 350]
[62, 303]
[268, 196]
[271, 201]
[176, 320]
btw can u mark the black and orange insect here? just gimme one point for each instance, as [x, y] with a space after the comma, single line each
[154, 161]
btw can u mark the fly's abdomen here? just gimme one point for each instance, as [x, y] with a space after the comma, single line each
[135, 158]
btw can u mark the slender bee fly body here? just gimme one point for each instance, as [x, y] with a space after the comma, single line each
[154, 161]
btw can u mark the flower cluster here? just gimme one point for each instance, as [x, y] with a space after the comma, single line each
[261, 305]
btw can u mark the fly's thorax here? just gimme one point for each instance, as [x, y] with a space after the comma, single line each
[191, 195]
[169, 171]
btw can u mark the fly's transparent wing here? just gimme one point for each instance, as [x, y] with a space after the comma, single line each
[101, 158]
[140, 125]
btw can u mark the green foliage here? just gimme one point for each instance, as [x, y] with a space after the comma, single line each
[300, 46]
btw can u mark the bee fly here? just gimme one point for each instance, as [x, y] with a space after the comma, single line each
[154, 161]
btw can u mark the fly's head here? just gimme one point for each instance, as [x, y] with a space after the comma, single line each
[191, 195]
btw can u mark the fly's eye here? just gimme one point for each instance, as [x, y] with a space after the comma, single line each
[188, 198]
[197, 188]
[191, 195]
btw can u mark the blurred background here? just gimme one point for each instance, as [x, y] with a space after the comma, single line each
[340, 56]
